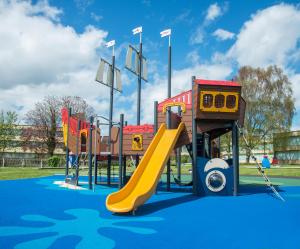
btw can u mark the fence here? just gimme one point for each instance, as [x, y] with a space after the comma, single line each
[41, 163]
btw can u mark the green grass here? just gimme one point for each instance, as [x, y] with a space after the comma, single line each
[283, 172]
[28, 172]
[7, 173]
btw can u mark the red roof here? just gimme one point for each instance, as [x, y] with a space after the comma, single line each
[216, 82]
[185, 97]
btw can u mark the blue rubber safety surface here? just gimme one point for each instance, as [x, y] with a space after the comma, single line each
[35, 213]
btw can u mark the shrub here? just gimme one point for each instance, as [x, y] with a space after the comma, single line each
[53, 161]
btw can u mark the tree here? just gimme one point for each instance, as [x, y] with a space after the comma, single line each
[46, 117]
[270, 103]
[8, 129]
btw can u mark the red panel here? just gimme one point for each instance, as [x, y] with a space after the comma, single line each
[73, 122]
[216, 82]
[185, 97]
[132, 129]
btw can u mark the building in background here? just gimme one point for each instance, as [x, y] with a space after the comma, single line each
[287, 147]
[29, 143]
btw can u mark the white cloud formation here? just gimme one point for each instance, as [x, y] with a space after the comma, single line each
[96, 17]
[181, 81]
[269, 37]
[223, 34]
[39, 56]
[39, 50]
[213, 11]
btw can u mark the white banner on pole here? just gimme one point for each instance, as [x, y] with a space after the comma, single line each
[137, 30]
[166, 32]
[110, 43]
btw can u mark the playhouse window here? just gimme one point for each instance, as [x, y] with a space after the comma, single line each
[219, 101]
[230, 101]
[83, 143]
[207, 100]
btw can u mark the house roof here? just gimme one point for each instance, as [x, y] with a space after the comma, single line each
[216, 82]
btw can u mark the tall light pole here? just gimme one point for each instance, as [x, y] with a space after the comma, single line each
[111, 100]
[139, 30]
[167, 33]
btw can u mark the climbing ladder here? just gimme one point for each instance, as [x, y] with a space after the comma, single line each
[258, 165]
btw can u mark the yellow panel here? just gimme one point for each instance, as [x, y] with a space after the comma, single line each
[65, 132]
[143, 182]
[222, 109]
[170, 104]
[137, 142]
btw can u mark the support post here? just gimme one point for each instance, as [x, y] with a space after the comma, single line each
[138, 121]
[155, 117]
[121, 150]
[77, 151]
[194, 142]
[169, 125]
[110, 118]
[155, 126]
[90, 153]
[95, 155]
[178, 154]
[124, 171]
[235, 158]
[67, 146]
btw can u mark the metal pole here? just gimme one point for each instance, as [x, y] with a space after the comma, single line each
[77, 151]
[110, 116]
[155, 117]
[169, 115]
[179, 154]
[235, 158]
[155, 126]
[90, 152]
[124, 171]
[121, 150]
[95, 154]
[138, 121]
[67, 146]
[194, 143]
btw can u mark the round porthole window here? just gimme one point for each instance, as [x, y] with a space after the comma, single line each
[215, 181]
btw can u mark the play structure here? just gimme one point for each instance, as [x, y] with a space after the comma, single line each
[207, 111]
[195, 119]
[77, 132]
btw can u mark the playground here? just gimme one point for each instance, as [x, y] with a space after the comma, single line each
[56, 217]
[130, 196]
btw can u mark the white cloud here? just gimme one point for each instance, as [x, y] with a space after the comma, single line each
[193, 57]
[213, 11]
[223, 34]
[96, 17]
[181, 81]
[39, 56]
[198, 36]
[269, 37]
[37, 49]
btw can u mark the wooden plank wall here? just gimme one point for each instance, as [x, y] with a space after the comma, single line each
[73, 139]
[127, 143]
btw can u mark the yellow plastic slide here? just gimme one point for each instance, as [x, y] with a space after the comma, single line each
[143, 182]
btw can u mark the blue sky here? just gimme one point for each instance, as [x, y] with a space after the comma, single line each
[53, 47]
